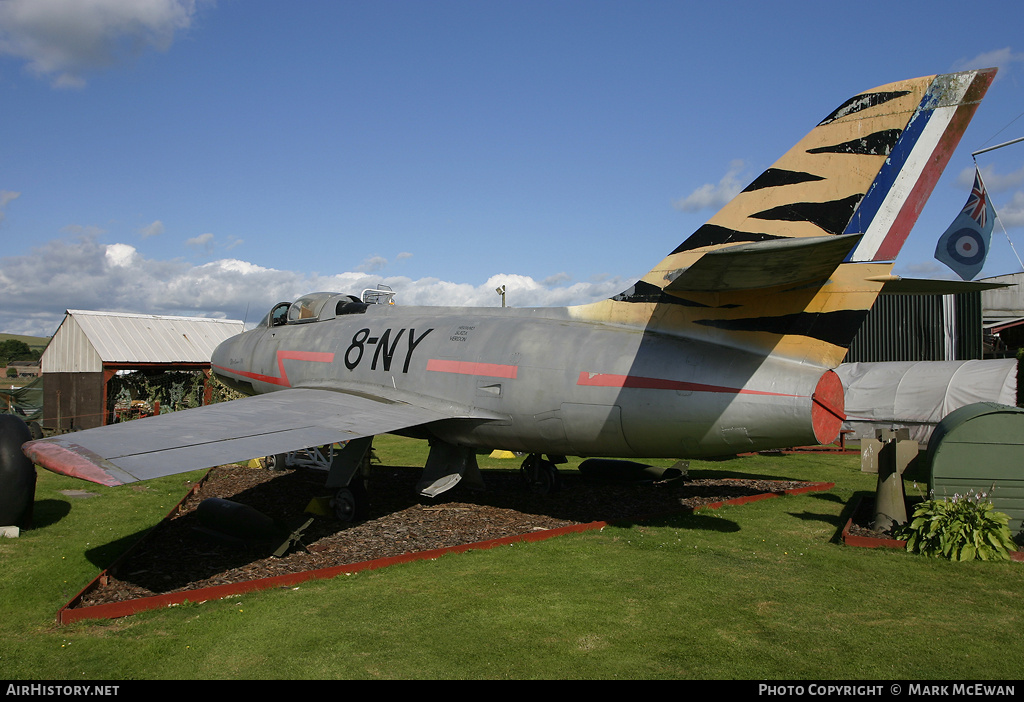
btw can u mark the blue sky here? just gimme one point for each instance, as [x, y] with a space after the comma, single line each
[212, 158]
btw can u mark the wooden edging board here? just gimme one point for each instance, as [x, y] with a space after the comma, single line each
[70, 612]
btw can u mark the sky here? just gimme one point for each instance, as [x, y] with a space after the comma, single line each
[213, 157]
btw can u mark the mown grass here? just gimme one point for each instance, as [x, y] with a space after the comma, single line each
[763, 590]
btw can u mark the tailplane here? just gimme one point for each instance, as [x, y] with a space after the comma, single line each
[794, 262]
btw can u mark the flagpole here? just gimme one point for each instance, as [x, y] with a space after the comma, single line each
[997, 146]
[998, 219]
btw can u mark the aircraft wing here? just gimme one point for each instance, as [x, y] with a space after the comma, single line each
[238, 430]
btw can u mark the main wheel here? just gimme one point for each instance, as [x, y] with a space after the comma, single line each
[279, 461]
[540, 476]
[344, 505]
[351, 503]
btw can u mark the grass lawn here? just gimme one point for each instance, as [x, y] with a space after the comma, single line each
[758, 591]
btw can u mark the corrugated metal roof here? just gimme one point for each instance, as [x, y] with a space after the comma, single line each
[117, 337]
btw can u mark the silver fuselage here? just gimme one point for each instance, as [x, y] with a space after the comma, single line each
[538, 381]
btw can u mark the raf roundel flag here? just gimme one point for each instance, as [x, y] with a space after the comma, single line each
[965, 244]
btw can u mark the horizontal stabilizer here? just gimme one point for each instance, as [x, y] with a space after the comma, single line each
[765, 264]
[895, 285]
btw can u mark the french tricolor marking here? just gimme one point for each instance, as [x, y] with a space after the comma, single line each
[910, 172]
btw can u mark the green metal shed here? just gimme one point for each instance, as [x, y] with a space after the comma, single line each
[980, 447]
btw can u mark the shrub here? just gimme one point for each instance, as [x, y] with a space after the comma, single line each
[962, 528]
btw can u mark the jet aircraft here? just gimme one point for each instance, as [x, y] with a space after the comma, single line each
[727, 345]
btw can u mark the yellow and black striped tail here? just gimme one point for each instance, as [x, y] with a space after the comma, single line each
[794, 262]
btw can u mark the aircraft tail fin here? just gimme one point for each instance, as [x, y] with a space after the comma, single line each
[794, 262]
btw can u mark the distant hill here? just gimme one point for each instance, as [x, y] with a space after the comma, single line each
[36, 343]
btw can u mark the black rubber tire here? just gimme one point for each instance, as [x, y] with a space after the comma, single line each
[17, 474]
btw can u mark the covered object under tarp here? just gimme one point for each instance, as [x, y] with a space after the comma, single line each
[26, 402]
[918, 394]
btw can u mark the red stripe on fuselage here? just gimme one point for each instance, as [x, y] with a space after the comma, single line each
[492, 370]
[610, 380]
[282, 356]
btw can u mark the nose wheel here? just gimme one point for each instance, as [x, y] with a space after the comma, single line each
[540, 475]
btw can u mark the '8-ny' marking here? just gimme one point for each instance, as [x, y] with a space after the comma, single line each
[385, 350]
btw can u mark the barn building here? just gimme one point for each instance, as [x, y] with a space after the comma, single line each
[1004, 314]
[98, 365]
[918, 357]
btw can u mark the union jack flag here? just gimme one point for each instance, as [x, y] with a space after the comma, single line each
[965, 244]
[976, 207]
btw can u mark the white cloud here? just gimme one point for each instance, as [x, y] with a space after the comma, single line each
[83, 230]
[121, 255]
[81, 273]
[712, 195]
[64, 39]
[999, 58]
[379, 263]
[154, 229]
[5, 197]
[1012, 213]
[374, 263]
[556, 278]
[207, 243]
[994, 182]
[203, 242]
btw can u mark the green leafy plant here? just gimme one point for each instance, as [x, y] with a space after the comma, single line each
[961, 528]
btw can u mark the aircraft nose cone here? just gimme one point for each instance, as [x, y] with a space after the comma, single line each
[221, 354]
[225, 358]
[231, 361]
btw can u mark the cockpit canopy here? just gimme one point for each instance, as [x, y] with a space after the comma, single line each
[320, 306]
[308, 307]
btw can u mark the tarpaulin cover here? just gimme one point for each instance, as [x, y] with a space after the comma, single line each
[918, 394]
[26, 402]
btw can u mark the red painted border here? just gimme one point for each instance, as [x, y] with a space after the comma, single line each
[70, 613]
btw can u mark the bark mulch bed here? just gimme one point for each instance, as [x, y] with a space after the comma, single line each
[178, 556]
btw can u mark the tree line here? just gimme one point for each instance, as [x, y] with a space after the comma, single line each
[15, 350]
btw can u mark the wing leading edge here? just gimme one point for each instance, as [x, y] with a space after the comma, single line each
[287, 420]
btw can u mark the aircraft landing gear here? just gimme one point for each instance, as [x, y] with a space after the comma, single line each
[540, 475]
[351, 503]
[348, 473]
[276, 462]
[345, 505]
